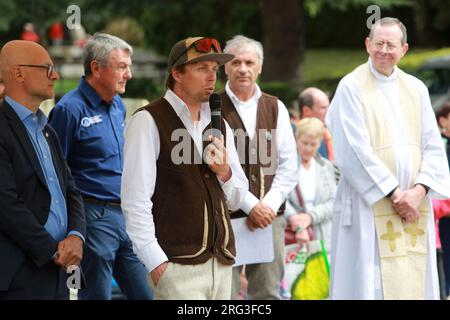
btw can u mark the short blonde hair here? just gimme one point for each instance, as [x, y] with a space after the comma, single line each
[310, 126]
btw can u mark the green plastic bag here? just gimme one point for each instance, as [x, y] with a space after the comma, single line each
[307, 272]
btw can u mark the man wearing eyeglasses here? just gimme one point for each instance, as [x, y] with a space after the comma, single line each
[391, 157]
[42, 222]
[175, 191]
[269, 160]
[90, 121]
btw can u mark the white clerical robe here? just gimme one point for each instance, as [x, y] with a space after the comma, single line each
[355, 263]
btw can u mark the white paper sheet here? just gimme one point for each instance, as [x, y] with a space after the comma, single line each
[252, 246]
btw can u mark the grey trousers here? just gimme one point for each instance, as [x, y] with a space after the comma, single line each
[207, 281]
[264, 279]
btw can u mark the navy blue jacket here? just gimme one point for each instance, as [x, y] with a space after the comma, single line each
[25, 198]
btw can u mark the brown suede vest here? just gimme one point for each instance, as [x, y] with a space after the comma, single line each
[258, 156]
[191, 218]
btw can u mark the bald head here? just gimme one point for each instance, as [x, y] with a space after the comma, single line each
[314, 92]
[313, 102]
[20, 52]
[25, 67]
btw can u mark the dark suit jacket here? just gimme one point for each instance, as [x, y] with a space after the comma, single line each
[25, 198]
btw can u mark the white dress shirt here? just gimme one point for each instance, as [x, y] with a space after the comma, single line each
[141, 151]
[286, 174]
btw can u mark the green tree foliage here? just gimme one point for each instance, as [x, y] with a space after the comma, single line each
[315, 6]
[128, 29]
[164, 22]
[42, 13]
[321, 23]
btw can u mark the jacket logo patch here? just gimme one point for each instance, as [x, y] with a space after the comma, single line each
[89, 121]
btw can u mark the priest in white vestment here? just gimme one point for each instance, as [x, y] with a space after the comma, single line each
[392, 160]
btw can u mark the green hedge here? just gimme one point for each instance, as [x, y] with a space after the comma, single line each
[416, 58]
[144, 88]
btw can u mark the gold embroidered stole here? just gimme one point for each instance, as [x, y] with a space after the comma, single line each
[402, 248]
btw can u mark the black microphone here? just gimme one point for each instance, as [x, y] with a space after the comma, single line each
[215, 103]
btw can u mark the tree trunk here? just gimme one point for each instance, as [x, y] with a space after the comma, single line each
[283, 30]
[424, 28]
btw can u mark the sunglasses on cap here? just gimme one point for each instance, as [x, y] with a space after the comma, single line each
[203, 45]
[50, 68]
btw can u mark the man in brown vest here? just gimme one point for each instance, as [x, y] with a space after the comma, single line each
[175, 196]
[268, 157]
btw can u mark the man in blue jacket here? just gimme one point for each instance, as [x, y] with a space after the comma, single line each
[89, 121]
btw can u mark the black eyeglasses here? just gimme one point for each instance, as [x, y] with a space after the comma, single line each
[50, 68]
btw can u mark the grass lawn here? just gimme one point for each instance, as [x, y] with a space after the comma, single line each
[62, 86]
[330, 63]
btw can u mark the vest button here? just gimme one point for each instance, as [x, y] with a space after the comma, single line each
[253, 177]
[252, 151]
[207, 175]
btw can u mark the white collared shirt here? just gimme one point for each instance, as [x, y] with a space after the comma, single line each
[286, 173]
[141, 151]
